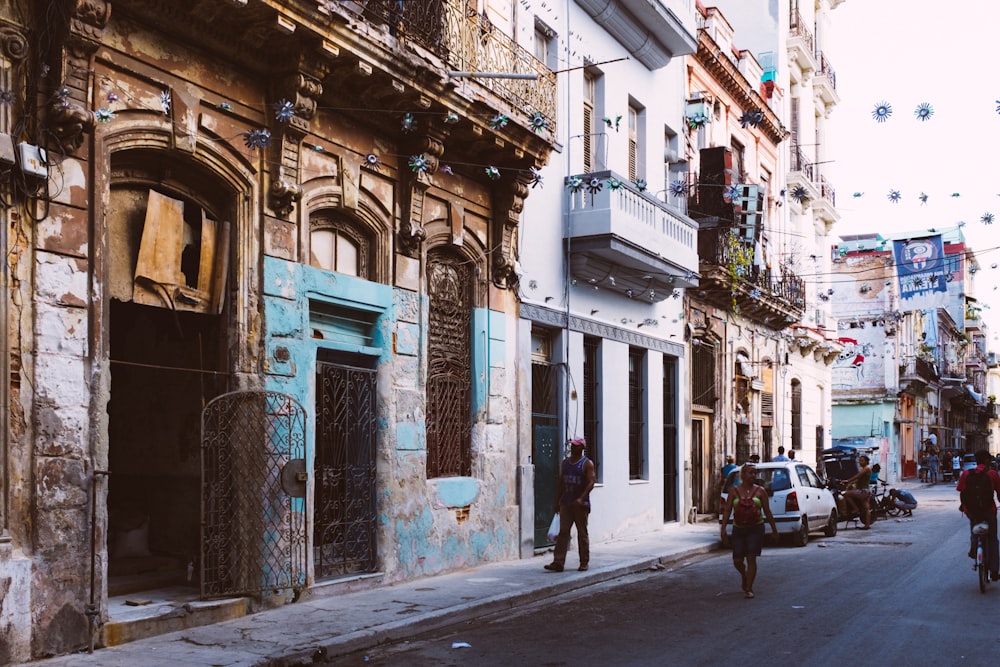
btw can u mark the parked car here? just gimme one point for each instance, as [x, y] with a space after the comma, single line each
[799, 499]
[968, 462]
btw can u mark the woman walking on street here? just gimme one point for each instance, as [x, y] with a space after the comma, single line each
[746, 503]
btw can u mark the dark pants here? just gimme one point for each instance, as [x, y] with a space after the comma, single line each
[991, 538]
[568, 517]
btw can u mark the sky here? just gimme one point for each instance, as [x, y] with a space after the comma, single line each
[908, 53]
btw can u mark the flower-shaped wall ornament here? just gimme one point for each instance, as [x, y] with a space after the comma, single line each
[616, 123]
[446, 169]
[451, 118]
[640, 184]
[799, 194]
[372, 162]
[730, 193]
[987, 219]
[536, 177]
[894, 196]
[882, 112]
[859, 194]
[923, 197]
[409, 123]
[594, 185]
[499, 121]
[418, 164]
[678, 188]
[697, 120]
[574, 183]
[923, 111]
[257, 139]
[112, 97]
[104, 115]
[225, 106]
[283, 111]
[492, 173]
[538, 122]
[614, 184]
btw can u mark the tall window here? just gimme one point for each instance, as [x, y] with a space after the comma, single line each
[589, 104]
[591, 411]
[739, 158]
[545, 45]
[633, 142]
[703, 373]
[796, 415]
[636, 414]
[336, 244]
[449, 360]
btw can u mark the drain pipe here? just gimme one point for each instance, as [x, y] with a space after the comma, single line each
[93, 609]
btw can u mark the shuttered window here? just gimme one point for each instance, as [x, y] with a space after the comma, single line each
[633, 143]
[588, 122]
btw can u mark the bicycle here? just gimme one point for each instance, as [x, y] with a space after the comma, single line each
[980, 533]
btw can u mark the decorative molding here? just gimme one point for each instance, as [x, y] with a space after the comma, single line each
[508, 203]
[589, 327]
[301, 90]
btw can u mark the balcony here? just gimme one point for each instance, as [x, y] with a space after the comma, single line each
[629, 242]
[825, 82]
[825, 206]
[802, 174]
[468, 43]
[650, 31]
[916, 369]
[730, 280]
[801, 43]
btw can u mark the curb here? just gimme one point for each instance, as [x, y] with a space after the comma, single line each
[441, 618]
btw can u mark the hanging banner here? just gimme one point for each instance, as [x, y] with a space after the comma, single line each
[922, 269]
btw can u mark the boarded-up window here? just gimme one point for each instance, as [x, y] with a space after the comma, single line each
[183, 257]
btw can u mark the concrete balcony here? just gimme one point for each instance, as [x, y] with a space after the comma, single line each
[825, 83]
[825, 206]
[627, 241]
[650, 31]
[801, 43]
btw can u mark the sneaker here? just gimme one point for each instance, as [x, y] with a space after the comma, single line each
[554, 567]
[583, 567]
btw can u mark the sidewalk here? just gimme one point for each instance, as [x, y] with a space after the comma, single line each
[339, 624]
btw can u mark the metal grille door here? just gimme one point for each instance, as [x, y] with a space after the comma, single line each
[449, 395]
[253, 487]
[345, 521]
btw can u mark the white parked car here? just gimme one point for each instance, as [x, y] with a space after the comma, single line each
[799, 499]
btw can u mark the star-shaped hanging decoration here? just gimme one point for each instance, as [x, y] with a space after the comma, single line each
[165, 101]
[697, 120]
[283, 111]
[225, 106]
[882, 112]
[499, 121]
[536, 177]
[538, 122]
[923, 111]
[409, 123]
[918, 282]
[614, 184]
[987, 219]
[730, 193]
[574, 183]
[998, 106]
[446, 169]
[859, 194]
[751, 119]
[678, 188]
[594, 185]
[418, 164]
[799, 194]
[894, 196]
[372, 162]
[755, 293]
[451, 118]
[676, 294]
[640, 185]
[923, 198]
[112, 97]
[104, 115]
[257, 139]
[956, 194]
[492, 173]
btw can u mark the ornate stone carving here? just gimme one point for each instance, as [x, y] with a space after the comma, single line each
[301, 90]
[411, 230]
[508, 204]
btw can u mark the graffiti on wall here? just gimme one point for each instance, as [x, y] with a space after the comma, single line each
[860, 364]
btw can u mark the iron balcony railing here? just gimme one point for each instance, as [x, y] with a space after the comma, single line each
[825, 69]
[827, 191]
[798, 28]
[801, 163]
[783, 285]
[468, 42]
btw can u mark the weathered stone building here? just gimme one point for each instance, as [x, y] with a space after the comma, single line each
[259, 296]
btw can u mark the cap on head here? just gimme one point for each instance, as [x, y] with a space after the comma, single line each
[578, 442]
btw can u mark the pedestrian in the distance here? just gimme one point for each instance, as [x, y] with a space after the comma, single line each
[748, 504]
[577, 476]
[904, 500]
[781, 454]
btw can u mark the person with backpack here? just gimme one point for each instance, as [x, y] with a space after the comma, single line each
[748, 504]
[977, 487]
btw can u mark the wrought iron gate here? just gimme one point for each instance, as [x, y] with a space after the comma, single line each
[252, 494]
[344, 524]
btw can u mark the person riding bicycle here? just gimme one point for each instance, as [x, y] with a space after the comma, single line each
[977, 487]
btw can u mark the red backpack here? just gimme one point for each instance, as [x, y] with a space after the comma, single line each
[745, 511]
